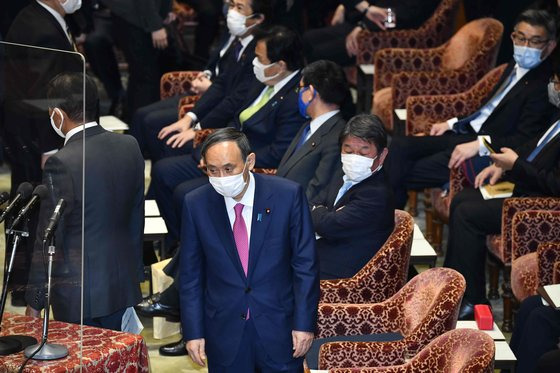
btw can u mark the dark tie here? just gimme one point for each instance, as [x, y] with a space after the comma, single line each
[303, 137]
[236, 48]
[543, 143]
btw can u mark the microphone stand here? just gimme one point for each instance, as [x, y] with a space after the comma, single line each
[14, 343]
[44, 350]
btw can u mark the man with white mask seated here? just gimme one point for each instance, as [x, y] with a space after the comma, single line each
[354, 216]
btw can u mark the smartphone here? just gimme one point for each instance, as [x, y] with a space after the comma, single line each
[488, 146]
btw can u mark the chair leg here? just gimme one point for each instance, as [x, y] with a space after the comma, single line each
[507, 296]
[429, 211]
[413, 202]
[494, 275]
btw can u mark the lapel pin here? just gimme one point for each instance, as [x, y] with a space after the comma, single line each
[313, 144]
[259, 217]
[267, 211]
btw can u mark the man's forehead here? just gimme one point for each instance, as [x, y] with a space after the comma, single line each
[530, 30]
[224, 152]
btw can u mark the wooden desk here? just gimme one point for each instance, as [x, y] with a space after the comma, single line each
[151, 208]
[103, 350]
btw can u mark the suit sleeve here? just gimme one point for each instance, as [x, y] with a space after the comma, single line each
[149, 14]
[536, 181]
[533, 119]
[286, 124]
[137, 218]
[305, 266]
[191, 275]
[362, 209]
[58, 181]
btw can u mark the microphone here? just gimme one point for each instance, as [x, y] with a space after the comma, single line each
[39, 192]
[22, 194]
[53, 221]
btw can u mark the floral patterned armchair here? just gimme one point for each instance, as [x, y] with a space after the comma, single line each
[382, 276]
[176, 83]
[426, 307]
[458, 350]
[451, 68]
[435, 31]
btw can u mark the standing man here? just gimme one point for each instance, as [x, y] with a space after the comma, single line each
[249, 281]
[113, 220]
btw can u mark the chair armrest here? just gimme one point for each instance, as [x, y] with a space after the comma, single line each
[357, 319]
[201, 135]
[186, 104]
[549, 256]
[391, 61]
[517, 204]
[406, 84]
[531, 228]
[265, 171]
[176, 83]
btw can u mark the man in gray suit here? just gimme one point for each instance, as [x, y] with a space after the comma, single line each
[113, 220]
[314, 155]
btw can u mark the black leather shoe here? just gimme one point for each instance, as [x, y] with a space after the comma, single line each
[151, 307]
[466, 312]
[174, 349]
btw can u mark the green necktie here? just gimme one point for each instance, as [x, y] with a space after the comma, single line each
[251, 110]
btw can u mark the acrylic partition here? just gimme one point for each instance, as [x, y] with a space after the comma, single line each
[43, 100]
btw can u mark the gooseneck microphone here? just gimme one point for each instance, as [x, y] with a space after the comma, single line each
[22, 195]
[39, 193]
[53, 221]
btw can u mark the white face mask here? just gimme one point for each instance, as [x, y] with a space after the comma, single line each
[56, 129]
[357, 167]
[70, 6]
[228, 186]
[259, 68]
[236, 23]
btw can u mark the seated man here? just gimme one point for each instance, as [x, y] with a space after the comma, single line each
[114, 214]
[269, 117]
[534, 169]
[515, 112]
[354, 216]
[314, 154]
[223, 86]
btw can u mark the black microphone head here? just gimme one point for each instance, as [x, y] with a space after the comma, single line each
[24, 189]
[41, 191]
[4, 196]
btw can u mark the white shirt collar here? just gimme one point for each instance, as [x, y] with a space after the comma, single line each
[75, 130]
[59, 18]
[248, 198]
[520, 72]
[317, 122]
[278, 86]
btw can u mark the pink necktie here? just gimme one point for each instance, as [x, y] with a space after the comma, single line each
[240, 237]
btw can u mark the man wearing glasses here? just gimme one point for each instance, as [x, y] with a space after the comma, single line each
[513, 113]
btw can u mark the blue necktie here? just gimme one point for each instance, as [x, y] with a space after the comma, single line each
[237, 49]
[543, 143]
[343, 189]
[303, 137]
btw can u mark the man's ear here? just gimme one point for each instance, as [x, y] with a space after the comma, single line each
[382, 157]
[251, 159]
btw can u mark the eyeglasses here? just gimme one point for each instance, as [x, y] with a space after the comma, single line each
[534, 42]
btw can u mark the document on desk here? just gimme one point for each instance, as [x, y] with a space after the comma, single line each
[503, 189]
[551, 294]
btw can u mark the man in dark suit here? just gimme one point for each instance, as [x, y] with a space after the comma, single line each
[533, 168]
[354, 216]
[313, 155]
[226, 92]
[339, 42]
[514, 112]
[269, 117]
[114, 214]
[255, 307]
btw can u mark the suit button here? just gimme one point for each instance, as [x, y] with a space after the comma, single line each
[248, 290]
[243, 316]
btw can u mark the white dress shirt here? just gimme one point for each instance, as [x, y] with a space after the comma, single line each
[78, 129]
[248, 202]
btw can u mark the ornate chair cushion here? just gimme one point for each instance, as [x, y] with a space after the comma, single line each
[176, 83]
[549, 257]
[382, 276]
[459, 350]
[423, 309]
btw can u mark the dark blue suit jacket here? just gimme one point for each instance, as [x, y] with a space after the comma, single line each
[354, 229]
[282, 287]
